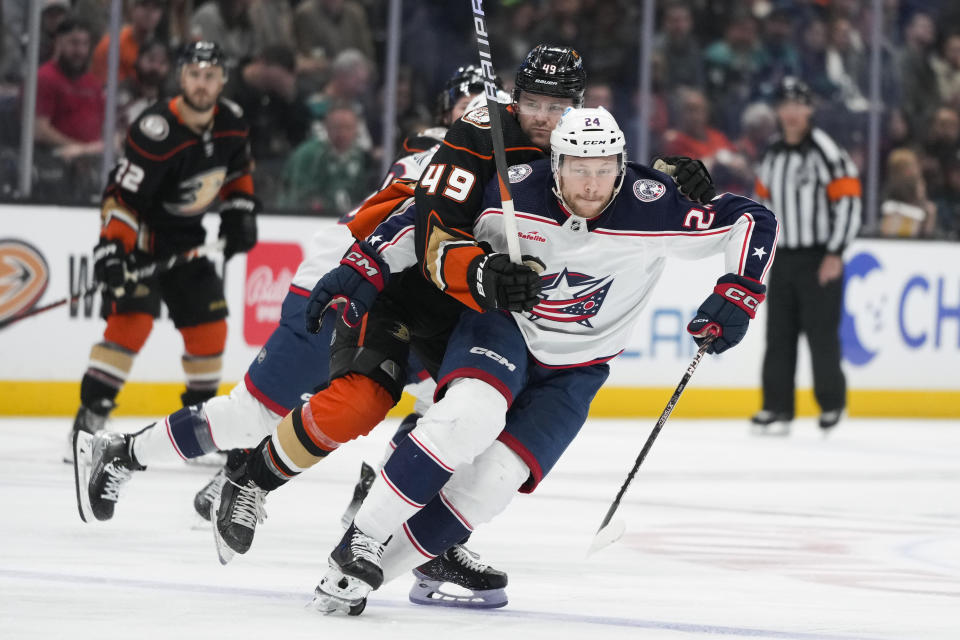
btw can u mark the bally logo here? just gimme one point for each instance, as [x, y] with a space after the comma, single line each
[270, 268]
[23, 277]
[493, 355]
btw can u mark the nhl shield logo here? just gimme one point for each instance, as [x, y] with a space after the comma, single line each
[648, 190]
[519, 172]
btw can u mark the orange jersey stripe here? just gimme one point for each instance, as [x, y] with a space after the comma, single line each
[761, 190]
[376, 209]
[242, 184]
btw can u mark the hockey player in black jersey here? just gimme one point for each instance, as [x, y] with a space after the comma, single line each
[181, 158]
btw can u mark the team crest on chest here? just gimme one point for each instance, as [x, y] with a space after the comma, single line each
[571, 297]
[519, 172]
[648, 190]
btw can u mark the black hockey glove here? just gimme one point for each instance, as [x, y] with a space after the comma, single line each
[355, 283]
[109, 259]
[238, 225]
[727, 311]
[690, 175]
[497, 283]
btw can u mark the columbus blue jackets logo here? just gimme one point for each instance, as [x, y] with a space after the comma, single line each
[648, 190]
[571, 297]
[519, 172]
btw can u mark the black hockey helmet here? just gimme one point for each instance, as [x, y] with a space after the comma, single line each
[465, 81]
[793, 89]
[552, 70]
[202, 52]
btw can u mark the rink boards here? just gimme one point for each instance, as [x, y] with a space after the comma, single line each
[900, 328]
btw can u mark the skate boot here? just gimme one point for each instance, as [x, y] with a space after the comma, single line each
[235, 514]
[829, 419]
[102, 465]
[476, 584]
[360, 491]
[206, 496]
[771, 423]
[87, 420]
[354, 572]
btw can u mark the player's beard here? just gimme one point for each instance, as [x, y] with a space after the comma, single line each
[200, 107]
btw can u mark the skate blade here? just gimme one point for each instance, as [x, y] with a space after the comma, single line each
[224, 553]
[774, 429]
[82, 462]
[607, 536]
[327, 604]
[436, 593]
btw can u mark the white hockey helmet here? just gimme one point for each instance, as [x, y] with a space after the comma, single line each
[587, 133]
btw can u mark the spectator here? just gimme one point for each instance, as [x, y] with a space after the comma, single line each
[226, 22]
[562, 23]
[350, 78]
[757, 127]
[175, 28]
[906, 211]
[599, 94]
[151, 72]
[939, 147]
[70, 99]
[780, 54]
[329, 174]
[948, 204]
[144, 18]
[323, 29]
[265, 88]
[847, 64]
[677, 56]
[947, 68]
[609, 39]
[732, 66]
[920, 91]
[813, 59]
[694, 138]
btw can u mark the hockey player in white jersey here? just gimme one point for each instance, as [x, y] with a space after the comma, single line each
[514, 389]
[291, 365]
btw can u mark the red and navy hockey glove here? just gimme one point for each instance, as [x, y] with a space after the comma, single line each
[354, 283]
[727, 311]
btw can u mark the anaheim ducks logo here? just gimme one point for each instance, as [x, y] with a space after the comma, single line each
[23, 277]
[198, 192]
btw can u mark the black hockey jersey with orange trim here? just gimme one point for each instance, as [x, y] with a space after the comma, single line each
[169, 176]
[450, 193]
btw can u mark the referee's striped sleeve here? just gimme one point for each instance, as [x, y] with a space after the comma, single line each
[844, 193]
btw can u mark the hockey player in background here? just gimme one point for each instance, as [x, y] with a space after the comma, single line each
[291, 365]
[181, 158]
[514, 389]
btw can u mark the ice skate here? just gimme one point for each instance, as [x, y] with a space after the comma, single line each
[354, 572]
[103, 464]
[203, 501]
[771, 423]
[829, 419]
[235, 513]
[458, 578]
[87, 421]
[360, 491]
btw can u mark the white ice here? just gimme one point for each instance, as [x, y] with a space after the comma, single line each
[728, 536]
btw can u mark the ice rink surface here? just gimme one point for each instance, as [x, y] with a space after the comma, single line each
[728, 536]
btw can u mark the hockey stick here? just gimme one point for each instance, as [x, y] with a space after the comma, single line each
[496, 131]
[141, 273]
[608, 532]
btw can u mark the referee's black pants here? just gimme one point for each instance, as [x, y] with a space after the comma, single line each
[796, 303]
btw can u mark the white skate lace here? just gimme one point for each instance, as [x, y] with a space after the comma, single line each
[468, 558]
[366, 547]
[248, 508]
[118, 476]
[213, 488]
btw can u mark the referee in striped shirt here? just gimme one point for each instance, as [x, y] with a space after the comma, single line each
[812, 186]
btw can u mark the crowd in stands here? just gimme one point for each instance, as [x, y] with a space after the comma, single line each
[308, 74]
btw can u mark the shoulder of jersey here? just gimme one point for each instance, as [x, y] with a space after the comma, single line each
[529, 183]
[646, 184]
[229, 115]
[156, 129]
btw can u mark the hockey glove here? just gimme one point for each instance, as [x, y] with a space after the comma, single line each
[238, 225]
[690, 175]
[108, 266]
[497, 283]
[727, 311]
[354, 284]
